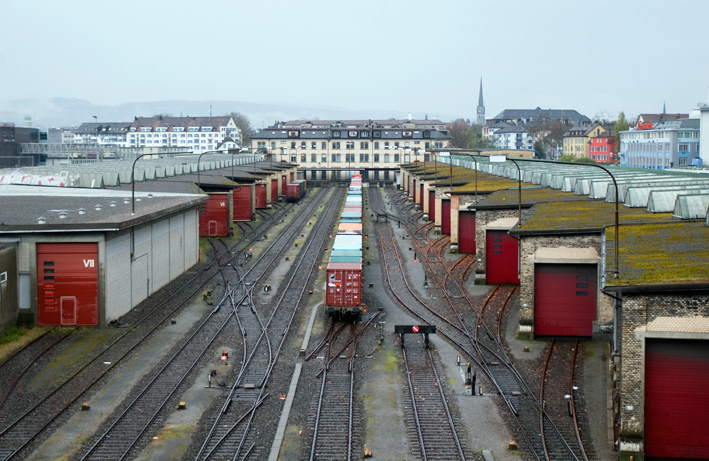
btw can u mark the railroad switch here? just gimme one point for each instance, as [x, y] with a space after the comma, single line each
[85, 406]
[181, 406]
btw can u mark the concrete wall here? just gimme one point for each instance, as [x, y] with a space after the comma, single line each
[639, 310]
[8, 286]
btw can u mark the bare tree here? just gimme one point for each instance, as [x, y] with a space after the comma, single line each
[244, 124]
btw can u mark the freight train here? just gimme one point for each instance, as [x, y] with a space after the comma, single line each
[295, 190]
[343, 287]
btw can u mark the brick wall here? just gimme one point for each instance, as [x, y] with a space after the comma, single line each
[528, 248]
[637, 311]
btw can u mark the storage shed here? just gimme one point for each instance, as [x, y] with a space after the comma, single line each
[86, 257]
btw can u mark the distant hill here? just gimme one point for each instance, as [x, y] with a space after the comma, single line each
[58, 112]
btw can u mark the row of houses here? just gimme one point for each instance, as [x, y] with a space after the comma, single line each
[618, 254]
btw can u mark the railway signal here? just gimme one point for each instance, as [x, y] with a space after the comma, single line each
[401, 330]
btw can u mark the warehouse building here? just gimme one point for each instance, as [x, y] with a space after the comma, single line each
[86, 257]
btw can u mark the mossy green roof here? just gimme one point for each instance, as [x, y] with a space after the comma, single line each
[581, 215]
[486, 183]
[530, 197]
[659, 255]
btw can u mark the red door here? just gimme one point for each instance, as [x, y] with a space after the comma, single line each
[420, 197]
[214, 216]
[260, 192]
[466, 232]
[67, 283]
[432, 205]
[274, 190]
[501, 257]
[283, 184]
[445, 217]
[242, 203]
[414, 190]
[676, 400]
[565, 299]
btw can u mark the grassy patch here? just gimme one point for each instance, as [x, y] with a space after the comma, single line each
[12, 334]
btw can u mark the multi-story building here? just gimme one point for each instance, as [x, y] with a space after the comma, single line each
[511, 136]
[601, 147]
[524, 116]
[197, 134]
[663, 145]
[577, 140]
[111, 133]
[332, 150]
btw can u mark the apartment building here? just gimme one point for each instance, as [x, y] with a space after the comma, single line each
[334, 150]
[662, 145]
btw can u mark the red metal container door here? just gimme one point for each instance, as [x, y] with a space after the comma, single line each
[213, 217]
[432, 205]
[242, 203]
[466, 232]
[565, 299]
[344, 285]
[274, 190]
[501, 258]
[261, 196]
[676, 402]
[67, 284]
[445, 217]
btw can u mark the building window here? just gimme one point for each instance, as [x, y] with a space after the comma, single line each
[349, 158]
[396, 158]
[313, 158]
[363, 158]
[303, 145]
[323, 145]
[323, 158]
[302, 158]
[336, 145]
[376, 144]
[292, 145]
[335, 158]
[364, 145]
[376, 158]
[386, 145]
[313, 145]
[350, 145]
[386, 158]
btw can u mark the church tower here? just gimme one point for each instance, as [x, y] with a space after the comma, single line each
[481, 106]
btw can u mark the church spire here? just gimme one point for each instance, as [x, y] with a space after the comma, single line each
[481, 106]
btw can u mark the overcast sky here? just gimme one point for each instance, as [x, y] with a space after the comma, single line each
[423, 57]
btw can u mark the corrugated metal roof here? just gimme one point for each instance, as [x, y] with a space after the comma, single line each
[692, 206]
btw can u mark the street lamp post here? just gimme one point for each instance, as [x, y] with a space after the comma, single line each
[132, 177]
[198, 159]
[502, 159]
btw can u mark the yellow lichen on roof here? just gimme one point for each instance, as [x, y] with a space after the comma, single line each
[659, 254]
[487, 183]
[560, 216]
[529, 196]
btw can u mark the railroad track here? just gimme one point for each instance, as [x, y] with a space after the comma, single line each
[34, 419]
[431, 417]
[231, 435]
[335, 431]
[476, 338]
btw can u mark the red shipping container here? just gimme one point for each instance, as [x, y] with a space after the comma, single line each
[214, 216]
[344, 285]
[242, 203]
[67, 284]
[292, 192]
[260, 192]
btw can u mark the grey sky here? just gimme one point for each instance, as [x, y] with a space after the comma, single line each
[422, 57]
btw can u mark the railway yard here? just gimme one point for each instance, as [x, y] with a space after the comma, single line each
[238, 358]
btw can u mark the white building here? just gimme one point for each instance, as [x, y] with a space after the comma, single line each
[196, 134]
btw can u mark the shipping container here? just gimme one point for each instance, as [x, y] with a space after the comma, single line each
[293, 192]
[344, 286]
[349, 227]
[348, 242]
[351, 217]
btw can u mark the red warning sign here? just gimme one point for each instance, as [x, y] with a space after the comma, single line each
[415, 328]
